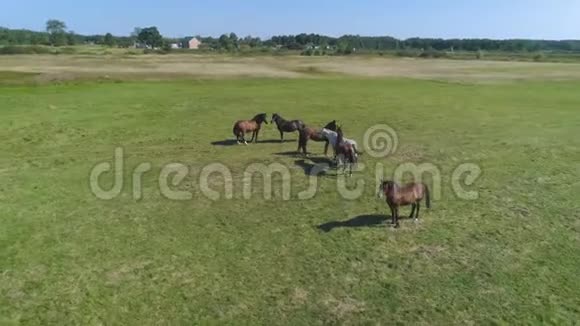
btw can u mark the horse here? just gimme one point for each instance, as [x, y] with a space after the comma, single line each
[345, 152]
[409, 194]
[308, 133]
[332, 137]
[286, 125]
[243, 127]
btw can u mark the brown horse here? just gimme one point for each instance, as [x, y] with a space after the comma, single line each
[409, 194]
[243, 127]
[308, 133]
[346, 154]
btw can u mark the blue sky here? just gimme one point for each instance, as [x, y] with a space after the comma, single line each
[548, 19]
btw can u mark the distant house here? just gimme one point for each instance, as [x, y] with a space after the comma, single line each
[191, 43]
[175, 45]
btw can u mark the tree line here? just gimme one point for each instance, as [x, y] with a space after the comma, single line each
[57, 34]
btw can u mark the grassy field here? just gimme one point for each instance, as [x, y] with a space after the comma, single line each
[510, 257]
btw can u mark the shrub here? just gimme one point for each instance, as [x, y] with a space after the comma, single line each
[166, 47]
[407, 53]
[32, 49]
[539, 57]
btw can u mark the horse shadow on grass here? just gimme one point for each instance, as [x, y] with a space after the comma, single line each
[290, 153]
[315, 166]
[276, 141]
[362, 221]
[233, 142]
[227, 142]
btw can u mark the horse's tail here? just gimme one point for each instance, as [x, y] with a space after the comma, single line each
[236, 130]
[355, 146]
[352, 155]
[427, 196]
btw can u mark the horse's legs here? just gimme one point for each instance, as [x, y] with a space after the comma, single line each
[392, 215]
[397, 217]
[412, 210]
[281, 136]
[326, 148]
[257, 133]
[302, 145]
[418, 208]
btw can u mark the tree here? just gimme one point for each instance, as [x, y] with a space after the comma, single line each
[57, 32]
[151, 37]
[54, 26]
[233, 41]
[70, 38]
[136, 32]
[225, 42]
[109, 40]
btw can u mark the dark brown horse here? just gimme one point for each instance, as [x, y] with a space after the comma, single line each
[409, 194]
[286, 125]
[242, 127]
[308, 133]
[345, 152]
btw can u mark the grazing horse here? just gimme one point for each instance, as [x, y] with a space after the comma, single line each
[243, 127]
[332, 137]
[308, 133]
[409, 194]
[286, 125]
[345, 152]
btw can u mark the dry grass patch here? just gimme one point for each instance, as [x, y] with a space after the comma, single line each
[163, 67]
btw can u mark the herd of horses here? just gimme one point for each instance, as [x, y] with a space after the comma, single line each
[345, 154]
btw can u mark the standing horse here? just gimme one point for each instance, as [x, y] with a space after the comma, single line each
[332, 137]
[345, 152]
[243, 127]
[286, 125]
[308, 133]
[409, 194]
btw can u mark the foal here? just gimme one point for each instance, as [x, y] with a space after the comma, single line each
[409, 194]
[243, 127]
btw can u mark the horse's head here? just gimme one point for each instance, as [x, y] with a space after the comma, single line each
[260, 118]
[275, 117]
[331, 125]
[386, 186]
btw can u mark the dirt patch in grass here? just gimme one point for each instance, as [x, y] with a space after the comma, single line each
[340, 309]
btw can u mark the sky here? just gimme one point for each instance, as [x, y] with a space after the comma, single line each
[499, 19]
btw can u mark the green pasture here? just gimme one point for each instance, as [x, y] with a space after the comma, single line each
[66, 257]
